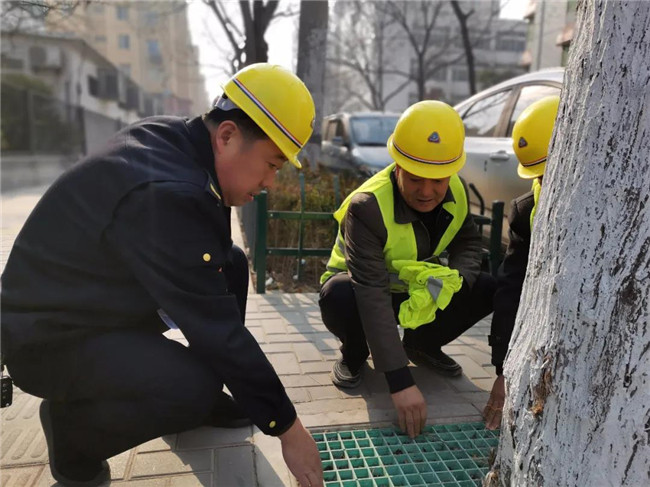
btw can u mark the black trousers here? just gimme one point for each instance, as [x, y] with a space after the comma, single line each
[116, 390]
[340, 314]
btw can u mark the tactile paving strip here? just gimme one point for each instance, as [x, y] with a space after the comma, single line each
[452, 455]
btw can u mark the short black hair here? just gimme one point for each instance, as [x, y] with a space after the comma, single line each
[249, 129]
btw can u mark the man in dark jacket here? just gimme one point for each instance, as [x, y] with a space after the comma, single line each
[406, 216]
[138, 236]
[531, 136]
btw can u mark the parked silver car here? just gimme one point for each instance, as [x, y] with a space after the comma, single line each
[488, 117]
[357, 141]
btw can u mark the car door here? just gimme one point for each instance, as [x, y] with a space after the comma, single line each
[490, 158]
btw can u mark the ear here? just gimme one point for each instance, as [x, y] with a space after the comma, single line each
[225, 134]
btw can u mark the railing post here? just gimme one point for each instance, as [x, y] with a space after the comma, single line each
[301, 229]
[496, 228]
[260, 242]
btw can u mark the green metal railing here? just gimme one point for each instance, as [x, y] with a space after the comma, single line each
[492, 255]
[264, 215]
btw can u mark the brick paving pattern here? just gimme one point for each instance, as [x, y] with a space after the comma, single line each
[289, 329]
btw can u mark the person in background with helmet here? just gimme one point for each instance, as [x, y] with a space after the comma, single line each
[137, 237]
[406, 216]
[531, 136]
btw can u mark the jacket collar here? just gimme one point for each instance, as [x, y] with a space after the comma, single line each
[403, 212]
[200, 136]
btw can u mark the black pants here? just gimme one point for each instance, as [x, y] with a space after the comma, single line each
[116, 390]
[340, 314]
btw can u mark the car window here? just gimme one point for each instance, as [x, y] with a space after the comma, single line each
[372, 130]
[334, 127]
[482, 118]
[339, 129]
[527, 96]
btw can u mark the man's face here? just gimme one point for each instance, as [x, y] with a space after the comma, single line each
[244, 168]
[421, 194]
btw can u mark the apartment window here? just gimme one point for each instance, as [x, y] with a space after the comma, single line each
[512, 43]
[439, 36]
[153, 49]
[440, 74]
[93, 86]
[459, 74]
[126, 69]
[123, 41]
[122, 12]
[97, 8]
[100, 38]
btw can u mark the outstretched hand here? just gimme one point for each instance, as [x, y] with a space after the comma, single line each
[301, 455]
[411, 410]
[494, 408]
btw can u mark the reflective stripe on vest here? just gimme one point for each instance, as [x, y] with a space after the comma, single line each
[537, 188]
[400, 243]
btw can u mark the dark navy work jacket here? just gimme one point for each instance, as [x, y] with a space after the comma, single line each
[124, 234]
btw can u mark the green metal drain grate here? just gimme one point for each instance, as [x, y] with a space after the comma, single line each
[452, 455]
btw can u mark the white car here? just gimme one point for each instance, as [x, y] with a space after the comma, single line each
[488, 117]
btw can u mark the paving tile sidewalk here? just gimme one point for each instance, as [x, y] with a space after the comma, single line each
[290, 331]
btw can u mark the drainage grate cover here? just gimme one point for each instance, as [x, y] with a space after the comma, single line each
[451, 455]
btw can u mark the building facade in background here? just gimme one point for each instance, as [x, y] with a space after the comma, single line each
[550, 31]
[149, 43]
[73, 76]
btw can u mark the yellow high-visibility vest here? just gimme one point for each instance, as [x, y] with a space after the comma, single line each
[537, 188]
[401, 243]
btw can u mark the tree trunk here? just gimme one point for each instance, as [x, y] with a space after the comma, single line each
[578, 374]
[467, 45]
[312, 55]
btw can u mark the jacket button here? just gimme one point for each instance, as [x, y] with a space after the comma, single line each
[272, 424]
[207, 257]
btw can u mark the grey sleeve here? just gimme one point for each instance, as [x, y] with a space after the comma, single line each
[365, 236]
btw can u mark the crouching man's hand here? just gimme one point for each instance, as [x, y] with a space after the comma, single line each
[301, 455]
[411, 410]
[494, 408]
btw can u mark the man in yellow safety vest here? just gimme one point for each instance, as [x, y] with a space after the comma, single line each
[408, 253]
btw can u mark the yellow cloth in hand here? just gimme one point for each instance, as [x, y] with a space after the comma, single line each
[430, 287]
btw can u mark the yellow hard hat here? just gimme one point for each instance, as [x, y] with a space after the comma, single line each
[428, 140]
[278, 102]
[531, 136]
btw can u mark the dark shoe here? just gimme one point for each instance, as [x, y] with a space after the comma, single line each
[67, 467]
[227, 414]
[343, 377]
[436, 360]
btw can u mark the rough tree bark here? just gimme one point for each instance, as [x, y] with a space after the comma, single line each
[312, 55]
[578, 373]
